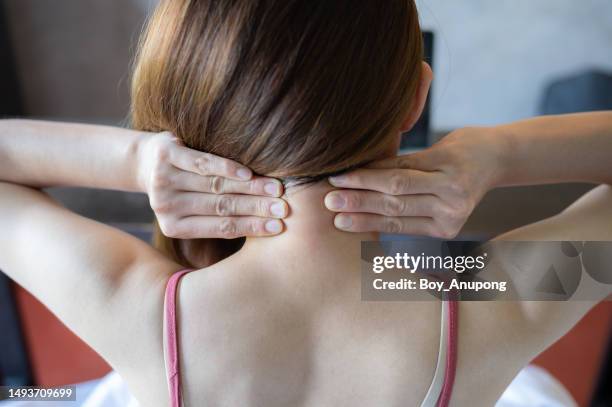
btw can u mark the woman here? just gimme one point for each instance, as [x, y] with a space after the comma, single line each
[294, 90]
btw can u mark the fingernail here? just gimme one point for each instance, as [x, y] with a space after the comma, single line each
[277, 209]
[272, 188]
[335, 201]
[244, 174]
[273, 226]
[338, 180]
[343, 222]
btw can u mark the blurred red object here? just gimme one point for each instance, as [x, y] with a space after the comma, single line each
[57, 355]
[575, 360]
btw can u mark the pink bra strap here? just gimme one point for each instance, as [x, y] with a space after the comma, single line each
[451, 354]
[171, 335]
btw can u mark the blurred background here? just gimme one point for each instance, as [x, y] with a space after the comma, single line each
[494, 62]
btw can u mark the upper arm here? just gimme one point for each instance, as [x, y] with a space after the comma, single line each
[588, 219]
[105, 285]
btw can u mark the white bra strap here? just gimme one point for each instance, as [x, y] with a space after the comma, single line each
[435, 388]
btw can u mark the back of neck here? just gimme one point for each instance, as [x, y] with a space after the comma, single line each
[309, 228]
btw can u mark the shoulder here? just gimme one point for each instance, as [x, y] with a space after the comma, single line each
[136, 349]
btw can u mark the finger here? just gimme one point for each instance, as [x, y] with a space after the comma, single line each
[393, 182]
[226, 228]
[427, 160]
[188, 181]
[193, 203]
[364, 222]
[382, 204]
[201, 163]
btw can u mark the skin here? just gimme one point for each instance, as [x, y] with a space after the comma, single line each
[432, 192]
[278, 323]
[274, 307]
[193, 194]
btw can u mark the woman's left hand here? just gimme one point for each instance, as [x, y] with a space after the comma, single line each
[201, 195]
[431, 192]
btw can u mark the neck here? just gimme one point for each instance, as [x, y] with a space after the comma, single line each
[309, 228]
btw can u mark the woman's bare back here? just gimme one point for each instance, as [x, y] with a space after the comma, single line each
[247, 339]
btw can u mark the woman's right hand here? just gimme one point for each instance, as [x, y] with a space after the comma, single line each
[200, 195]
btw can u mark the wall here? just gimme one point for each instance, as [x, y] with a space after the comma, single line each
[73, 57]
[493, 58]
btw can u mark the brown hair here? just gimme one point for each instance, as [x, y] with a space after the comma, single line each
[290, 88]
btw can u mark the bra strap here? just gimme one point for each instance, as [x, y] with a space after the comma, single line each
[451, 354]
[171, 336]
[440, 389]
